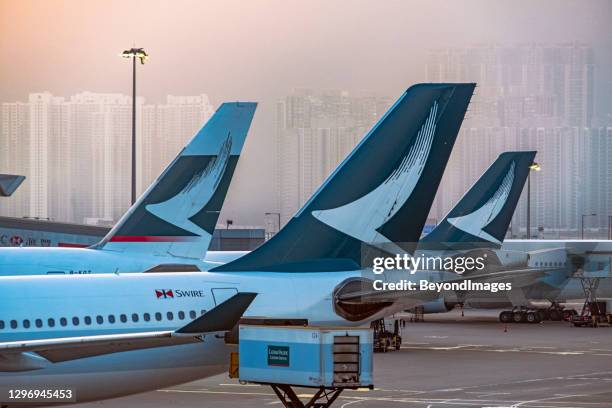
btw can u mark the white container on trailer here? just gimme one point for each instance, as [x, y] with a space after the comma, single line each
[306, 356]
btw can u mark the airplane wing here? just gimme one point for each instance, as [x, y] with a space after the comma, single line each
[518, 278]
[221, 318]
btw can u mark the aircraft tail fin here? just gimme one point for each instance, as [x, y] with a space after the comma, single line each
[381, 193]
[177, 214]
[483, 214]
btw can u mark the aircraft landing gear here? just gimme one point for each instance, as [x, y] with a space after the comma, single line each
[533, 317]
[529, 315]
[518, 316]
[505, 316]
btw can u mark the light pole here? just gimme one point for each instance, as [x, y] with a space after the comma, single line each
[278, 215]
[532, 167]
[582, 224]
[134, 53]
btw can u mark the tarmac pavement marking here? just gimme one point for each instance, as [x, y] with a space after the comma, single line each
[538, 403]
[241, 385]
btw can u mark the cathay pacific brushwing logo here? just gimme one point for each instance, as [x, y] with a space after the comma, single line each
[475, 222]
[362, 217]
[195, 195]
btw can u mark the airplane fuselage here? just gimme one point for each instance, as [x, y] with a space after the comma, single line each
[68, 306]
[85, 261]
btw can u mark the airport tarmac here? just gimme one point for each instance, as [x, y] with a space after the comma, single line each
[448, 361]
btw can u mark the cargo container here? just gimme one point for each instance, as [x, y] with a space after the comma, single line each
[306, 356]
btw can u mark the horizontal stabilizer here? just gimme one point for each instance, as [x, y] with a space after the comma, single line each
[221, 318]
[9, 183]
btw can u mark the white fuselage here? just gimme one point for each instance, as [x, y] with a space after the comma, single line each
[84, 261]
[82, 305]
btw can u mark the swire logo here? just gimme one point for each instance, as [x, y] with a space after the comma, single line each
[164, 293]
[178, 293]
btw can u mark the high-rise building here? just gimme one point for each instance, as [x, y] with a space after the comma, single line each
[100, 154]
[597, 178]
[14, 153]
[59, 162]
[48, 128]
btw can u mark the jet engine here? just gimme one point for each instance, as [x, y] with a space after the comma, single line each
[354, 302]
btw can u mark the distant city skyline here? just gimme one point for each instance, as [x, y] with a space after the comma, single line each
[260, 51]
[536, 96]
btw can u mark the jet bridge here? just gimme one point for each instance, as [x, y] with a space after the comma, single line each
[325, 359]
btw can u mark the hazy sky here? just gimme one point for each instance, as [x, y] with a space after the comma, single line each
[259, 50]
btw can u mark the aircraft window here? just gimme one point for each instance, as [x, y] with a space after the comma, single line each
[203, 311]
[181, 315]
[158, 316]
[13, 324]
[26, 323]
[192, 314]
[87, 320]
[99, 319]
[146, 317]
[75, 321]
[111, 318]
[134, 317]
[38, 323]
[123, 318]
[51, 322]
[63, 321]
[1, 324]
[170, 315]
